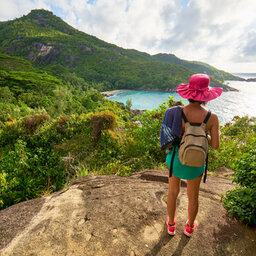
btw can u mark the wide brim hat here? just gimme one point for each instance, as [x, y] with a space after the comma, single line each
[198, 89]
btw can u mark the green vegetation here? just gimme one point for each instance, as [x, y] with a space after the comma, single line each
[40, 154]
[197, 67]
[32, 91]
[129, 103]
[237, 152]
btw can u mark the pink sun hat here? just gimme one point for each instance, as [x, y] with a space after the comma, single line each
[198, 89]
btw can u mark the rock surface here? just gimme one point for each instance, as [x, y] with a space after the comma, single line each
[111, 215]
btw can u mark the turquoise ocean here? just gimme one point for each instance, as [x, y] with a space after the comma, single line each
[228, 105]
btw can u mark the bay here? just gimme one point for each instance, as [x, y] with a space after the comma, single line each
[228, 105]
[246, 75]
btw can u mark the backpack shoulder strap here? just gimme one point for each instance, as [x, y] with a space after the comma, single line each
[172, 160]
[184, 117]
[205, 120]
[206, 167]
[207, 117]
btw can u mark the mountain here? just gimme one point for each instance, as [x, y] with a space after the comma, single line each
[196, 66]
[57, 48]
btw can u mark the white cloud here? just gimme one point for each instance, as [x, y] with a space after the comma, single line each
[220, 32]
[10, 9]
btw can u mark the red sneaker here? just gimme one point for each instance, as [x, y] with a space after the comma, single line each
[170, 228]
[189, 230]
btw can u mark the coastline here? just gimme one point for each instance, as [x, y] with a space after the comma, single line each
[107, 94]
[112, 93]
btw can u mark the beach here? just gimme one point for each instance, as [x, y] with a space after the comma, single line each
[112, 93]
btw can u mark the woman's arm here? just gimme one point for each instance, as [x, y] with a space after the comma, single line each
[214, 139]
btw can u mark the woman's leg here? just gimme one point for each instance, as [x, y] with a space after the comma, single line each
[173, 192]
[193, 194]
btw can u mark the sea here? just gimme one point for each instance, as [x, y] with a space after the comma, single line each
[228, 105]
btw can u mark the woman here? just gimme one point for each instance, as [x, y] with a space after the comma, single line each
[198, 93]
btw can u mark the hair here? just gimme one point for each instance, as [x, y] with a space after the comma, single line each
[199, 102]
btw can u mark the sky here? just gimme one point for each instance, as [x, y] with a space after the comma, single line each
[221, 33]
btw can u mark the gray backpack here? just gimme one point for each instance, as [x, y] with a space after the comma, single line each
[193, 148]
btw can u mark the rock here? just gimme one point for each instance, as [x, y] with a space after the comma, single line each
[49, 52]
[138, 122]
[112, 215]
[44, 50]
[107, 94]
[137, 112]
[119, 51]
[85, 48]
[32, 56]
[224, 171]
[132, 253]
[251, 79]
[71, 60]
[227, 88]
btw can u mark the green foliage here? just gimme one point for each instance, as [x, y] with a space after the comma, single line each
[105, 120]
[235, 136]
[32, 123]
[197, 67]
[9, 110]
[19, 81]
[241, 201]
[6, 96]
[238, 152]
[129, 103]
[117, 168]
[9, 63]
[25, 173]
[23, 93]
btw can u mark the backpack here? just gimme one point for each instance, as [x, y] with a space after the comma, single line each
[193, 148]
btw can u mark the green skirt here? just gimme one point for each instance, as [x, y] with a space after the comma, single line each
[183, 171]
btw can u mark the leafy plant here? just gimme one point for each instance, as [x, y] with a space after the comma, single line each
[129, 103]
[105, 120]
[241, 201]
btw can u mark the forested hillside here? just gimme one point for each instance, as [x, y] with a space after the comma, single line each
[196, 66]
[25, 89]
[54, 46]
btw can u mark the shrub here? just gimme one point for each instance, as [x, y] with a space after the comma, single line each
[235, 136]
[241, 201]
[116, 168]
[25, 174]
[105, 120]
[31, 123]
[129, 103]
[61, 123]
